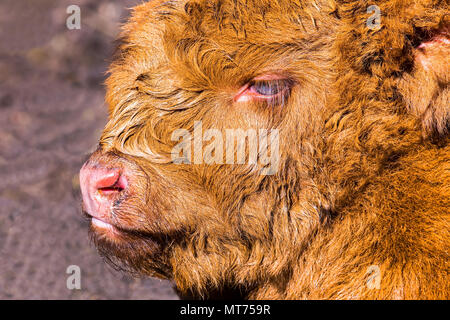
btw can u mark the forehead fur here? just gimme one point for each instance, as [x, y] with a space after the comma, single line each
[215, 36]
[183, 55]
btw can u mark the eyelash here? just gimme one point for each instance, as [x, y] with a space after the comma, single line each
[269, 88]
[273, 92]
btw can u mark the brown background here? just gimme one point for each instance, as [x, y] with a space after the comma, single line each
[51, 115]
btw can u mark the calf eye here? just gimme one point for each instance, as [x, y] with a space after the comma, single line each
[273, 90]
[268, 88]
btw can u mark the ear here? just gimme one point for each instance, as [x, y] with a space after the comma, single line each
[412, 42]
[426, 89]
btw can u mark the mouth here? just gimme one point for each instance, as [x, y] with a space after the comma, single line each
[106, 229]
[113, 231]
[102, 224]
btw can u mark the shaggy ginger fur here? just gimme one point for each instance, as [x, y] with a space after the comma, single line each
[363, 180]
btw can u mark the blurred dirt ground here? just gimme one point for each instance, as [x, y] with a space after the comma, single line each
[51, 114]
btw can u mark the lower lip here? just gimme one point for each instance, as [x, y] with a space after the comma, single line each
[101, 224]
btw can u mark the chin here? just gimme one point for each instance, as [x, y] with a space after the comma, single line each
[134, 252]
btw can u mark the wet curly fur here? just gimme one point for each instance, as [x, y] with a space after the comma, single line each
[365, 163]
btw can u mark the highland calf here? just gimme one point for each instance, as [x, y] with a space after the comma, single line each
[356, 203]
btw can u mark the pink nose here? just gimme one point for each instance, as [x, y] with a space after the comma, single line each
[100, 187]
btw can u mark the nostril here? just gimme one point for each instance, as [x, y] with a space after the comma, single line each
[101, 189]
[119, 185]
[108, 181]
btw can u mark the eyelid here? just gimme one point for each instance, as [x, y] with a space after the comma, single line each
[244, 94]
[278, 85]
[269, 77]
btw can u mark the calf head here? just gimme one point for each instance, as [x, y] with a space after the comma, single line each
[238, 128]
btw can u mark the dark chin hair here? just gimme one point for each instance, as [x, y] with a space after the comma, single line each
[133, 253]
